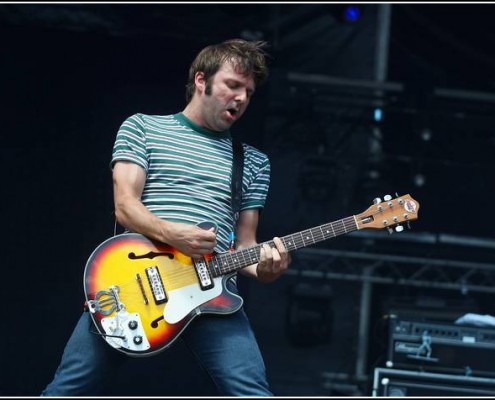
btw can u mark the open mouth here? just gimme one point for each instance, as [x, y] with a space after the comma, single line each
[233, 112]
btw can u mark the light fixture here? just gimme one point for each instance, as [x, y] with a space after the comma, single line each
[351, 14]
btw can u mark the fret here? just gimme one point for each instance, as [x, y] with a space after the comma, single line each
[288, 243]
[214, 268]
[252, 255]
[312, 237]
[307, 236]
[302, 238]
[224, 265]
[327, 234]
[319, 234]
[294, 242]
[331, 226]
[234, 258]
[323, 234]
[352, 222]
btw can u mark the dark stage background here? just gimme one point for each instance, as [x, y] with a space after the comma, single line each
[401, 100]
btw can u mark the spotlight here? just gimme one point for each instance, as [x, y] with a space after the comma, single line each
[346, 13]
[351, 14]
[426, 134]
[378, 114]
[419, 180]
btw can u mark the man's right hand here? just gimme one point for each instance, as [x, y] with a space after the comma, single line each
[191, 240]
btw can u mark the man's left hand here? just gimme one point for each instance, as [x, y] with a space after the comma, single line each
[273, 261]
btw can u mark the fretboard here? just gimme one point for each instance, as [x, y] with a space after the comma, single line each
[224, 263]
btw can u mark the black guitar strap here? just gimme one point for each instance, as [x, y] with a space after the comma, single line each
[236, 183]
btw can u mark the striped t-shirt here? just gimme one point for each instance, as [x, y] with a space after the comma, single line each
[189, 170]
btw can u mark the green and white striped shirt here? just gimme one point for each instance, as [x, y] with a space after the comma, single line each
[189, 170]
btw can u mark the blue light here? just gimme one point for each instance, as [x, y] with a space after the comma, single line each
[378, 114]
[352, 14]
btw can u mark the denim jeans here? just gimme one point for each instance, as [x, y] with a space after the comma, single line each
[232, 360]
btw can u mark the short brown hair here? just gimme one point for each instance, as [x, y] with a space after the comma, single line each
[247, 57]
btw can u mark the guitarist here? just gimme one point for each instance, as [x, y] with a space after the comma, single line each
[171, 173]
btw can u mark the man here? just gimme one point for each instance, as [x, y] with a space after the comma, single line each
[170, 173]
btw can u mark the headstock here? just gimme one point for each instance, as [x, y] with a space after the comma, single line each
[389, 213]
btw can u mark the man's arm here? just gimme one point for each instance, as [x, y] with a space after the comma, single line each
[273, 261]
[128, 184]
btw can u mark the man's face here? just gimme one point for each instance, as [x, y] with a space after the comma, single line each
[225, 97]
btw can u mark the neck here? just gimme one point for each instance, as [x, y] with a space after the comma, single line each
[191, 113]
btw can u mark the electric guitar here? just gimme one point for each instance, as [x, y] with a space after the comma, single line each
[142, 294]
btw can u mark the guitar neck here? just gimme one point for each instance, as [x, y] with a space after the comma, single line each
[228, 262]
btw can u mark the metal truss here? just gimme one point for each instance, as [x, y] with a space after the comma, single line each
[392, 269]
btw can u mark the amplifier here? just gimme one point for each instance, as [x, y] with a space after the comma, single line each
[401, 383]
[441, 347]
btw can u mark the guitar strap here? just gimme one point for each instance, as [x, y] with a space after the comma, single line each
[236, 184]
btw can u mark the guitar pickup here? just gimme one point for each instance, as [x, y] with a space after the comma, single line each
[204, 277]
[156, 284]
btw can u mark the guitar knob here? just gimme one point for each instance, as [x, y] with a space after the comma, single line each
[377, 200]
[399, 228]
[137, 339]
[387, 197]
[133, 324]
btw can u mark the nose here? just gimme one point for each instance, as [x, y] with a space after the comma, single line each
[242, 96]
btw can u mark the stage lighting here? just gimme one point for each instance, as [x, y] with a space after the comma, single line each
[351, 13]
[419, 180]
[346, 14]
[426, 134]
[378, 114]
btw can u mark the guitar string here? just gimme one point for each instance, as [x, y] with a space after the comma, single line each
[231, 261]
[173, 279]
[297, 241]
[132, 288]
[348, 225]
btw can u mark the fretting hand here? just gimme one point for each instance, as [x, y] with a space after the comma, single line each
[273, 261]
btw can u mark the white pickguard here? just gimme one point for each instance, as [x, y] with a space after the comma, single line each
[182, 301]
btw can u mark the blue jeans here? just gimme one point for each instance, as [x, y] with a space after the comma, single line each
[232, 360]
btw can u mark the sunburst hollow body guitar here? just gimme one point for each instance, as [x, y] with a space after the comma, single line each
[142, 294]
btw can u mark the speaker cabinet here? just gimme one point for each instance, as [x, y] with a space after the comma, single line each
[402, 383]
[444, 348]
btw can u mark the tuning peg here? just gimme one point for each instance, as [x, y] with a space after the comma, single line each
[390, 230]
[387, 197]
[408, 225]
[399, 228]
[377, 200]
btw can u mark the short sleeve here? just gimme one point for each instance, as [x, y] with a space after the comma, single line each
[256, 179]
[130, 143]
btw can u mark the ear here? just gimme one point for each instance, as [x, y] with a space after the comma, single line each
[199, 81]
